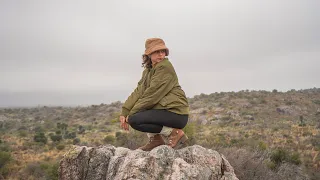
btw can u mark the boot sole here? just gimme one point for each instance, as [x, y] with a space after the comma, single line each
[181, 142]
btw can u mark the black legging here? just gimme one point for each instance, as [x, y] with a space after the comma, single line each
[153, 120]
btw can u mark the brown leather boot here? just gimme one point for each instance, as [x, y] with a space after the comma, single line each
[177, 138]
[154, 141]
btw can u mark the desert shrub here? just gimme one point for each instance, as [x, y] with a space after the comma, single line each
[190, 130]
[30, 145]
[34, 171]
[316, 101]
[50, 169]
[315, 142]
[263, 101]
[41, 170]
[22, 133]
[70, 135]
[56, 138]
[235, 141]
[247, 164]
[262, 146]
[278, 156]
[255, 164]
[76, 141]
[109, 139]
[5, 157]
[294, 159]
[40, 137]
[5, 147]
[48, 124]
[62, 126]
[7, 125]
[81, 129]
[39, 129]
[60, 147]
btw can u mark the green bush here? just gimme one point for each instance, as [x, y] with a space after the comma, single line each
[279, 156]
[40, 137]
[56, 138]
[60, 147]
[295, 159]
[109, 139]
[51, 170]
[5, 158]
[272, 165]
[70, 135]
[62, 126]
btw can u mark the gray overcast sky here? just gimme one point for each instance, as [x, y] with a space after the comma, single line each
[89, 52]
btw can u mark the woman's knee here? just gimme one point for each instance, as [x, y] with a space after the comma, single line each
[132, 120]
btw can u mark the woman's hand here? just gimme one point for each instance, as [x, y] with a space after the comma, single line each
[123, 123]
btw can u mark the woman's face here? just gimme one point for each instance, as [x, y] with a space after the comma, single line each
[158, 56]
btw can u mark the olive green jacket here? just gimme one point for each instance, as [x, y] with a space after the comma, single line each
[157, 89]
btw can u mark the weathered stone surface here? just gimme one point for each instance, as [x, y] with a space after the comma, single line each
[163, 162]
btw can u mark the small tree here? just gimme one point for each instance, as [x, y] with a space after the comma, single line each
[40, 137]
[56, 138]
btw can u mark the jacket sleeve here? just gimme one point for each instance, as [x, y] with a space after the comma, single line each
[161, 83]
[132, 99]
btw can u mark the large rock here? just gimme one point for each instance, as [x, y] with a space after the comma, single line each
[163, 162]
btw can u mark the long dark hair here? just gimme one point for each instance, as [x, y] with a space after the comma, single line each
[146, 61]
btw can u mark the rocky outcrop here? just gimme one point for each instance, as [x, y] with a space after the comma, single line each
[163, 162]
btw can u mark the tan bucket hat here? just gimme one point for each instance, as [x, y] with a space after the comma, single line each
[155, 44]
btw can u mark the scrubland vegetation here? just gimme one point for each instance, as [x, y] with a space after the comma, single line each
[264, 135]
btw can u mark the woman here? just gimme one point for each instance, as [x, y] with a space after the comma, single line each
[158, 105]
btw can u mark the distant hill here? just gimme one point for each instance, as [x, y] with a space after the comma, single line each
[277, 127]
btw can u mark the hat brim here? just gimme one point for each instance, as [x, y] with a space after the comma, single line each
[156, 48]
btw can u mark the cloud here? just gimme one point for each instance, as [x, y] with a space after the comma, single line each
[74, 46]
